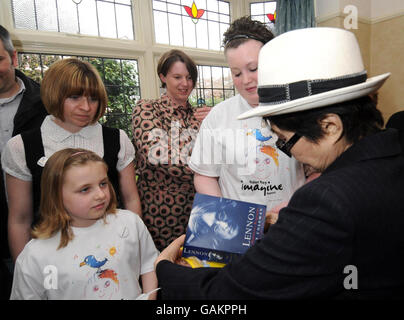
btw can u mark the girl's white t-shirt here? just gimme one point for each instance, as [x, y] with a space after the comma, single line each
[103, 261]
[243, 155]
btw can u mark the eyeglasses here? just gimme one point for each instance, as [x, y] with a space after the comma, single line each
[286, 146]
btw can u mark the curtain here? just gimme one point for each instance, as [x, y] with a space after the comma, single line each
[294, 14]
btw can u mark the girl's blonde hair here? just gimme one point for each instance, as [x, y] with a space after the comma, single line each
[69, 77]
[53, 215]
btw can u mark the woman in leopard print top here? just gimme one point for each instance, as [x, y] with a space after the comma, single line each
[164, 130]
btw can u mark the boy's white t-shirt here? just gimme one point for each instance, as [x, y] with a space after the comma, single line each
[243, 154]
[103, 261]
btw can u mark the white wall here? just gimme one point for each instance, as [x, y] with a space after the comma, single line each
[371, 10]
[327, 8]
[386, 8]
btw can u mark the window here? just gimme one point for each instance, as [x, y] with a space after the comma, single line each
[264, 11]
[191, 23]
[103, 18]
[47, 30]
[214, 85]
[120, 77]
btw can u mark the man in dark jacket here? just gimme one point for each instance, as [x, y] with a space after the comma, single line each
[21, 109]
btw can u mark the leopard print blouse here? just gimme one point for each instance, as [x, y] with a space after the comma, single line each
[164, 134]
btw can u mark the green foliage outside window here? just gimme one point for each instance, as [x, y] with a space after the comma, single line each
[210, 102]
[121, 80]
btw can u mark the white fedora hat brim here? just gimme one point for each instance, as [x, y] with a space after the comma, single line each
[318, 100]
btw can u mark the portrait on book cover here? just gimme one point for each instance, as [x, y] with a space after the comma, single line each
[214, 224]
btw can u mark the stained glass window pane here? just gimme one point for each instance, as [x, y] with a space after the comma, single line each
[214, 36]
[218, 96]
[225, 19]
[207, 76]
[160, 27]
[213, 16]
[214, 85]
[175, 28]
[217, 75]
[256, 9]
[207, 97]
[159, 6]
[24, 14]
[189, 33]
[227, 79]
[202, 42]
[224, 7]
[68, 21]
[124, 23]
[228, 94]
[88, 18]
[123, 1]
[120, 77]
[31, 66]
[270, 6]
[261, 10]
[46, 15]
[174, 8]
[203, 20]
[212, 5]
[106, 18]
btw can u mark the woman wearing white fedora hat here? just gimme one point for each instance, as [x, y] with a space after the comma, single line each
[341, 235]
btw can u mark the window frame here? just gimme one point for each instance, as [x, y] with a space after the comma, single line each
[143, 48]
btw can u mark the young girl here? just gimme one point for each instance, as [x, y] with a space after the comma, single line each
[83, 247]
[75, 98]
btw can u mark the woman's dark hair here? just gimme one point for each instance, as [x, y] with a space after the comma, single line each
[244, 29]
[172, 56]
[359, 117]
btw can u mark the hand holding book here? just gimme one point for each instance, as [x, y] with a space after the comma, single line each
[173, 252]
[221, 229]
[272, 215]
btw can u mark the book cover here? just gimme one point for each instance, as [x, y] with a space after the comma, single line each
[220, 229]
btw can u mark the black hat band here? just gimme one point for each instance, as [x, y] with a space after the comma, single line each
[291, 91]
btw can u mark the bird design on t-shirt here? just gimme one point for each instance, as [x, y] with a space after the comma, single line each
[93, 262]
[103, 283]
[258, 135]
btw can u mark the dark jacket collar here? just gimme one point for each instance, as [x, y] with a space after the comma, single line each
[32, 88]
[383, 144]
[31, 107]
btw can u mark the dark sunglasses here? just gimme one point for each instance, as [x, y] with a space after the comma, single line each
[285, 146]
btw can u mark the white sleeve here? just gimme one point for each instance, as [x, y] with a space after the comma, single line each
[148, 251]
[13, 159]
[27, 281]
[207, 152]
[126, 153]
